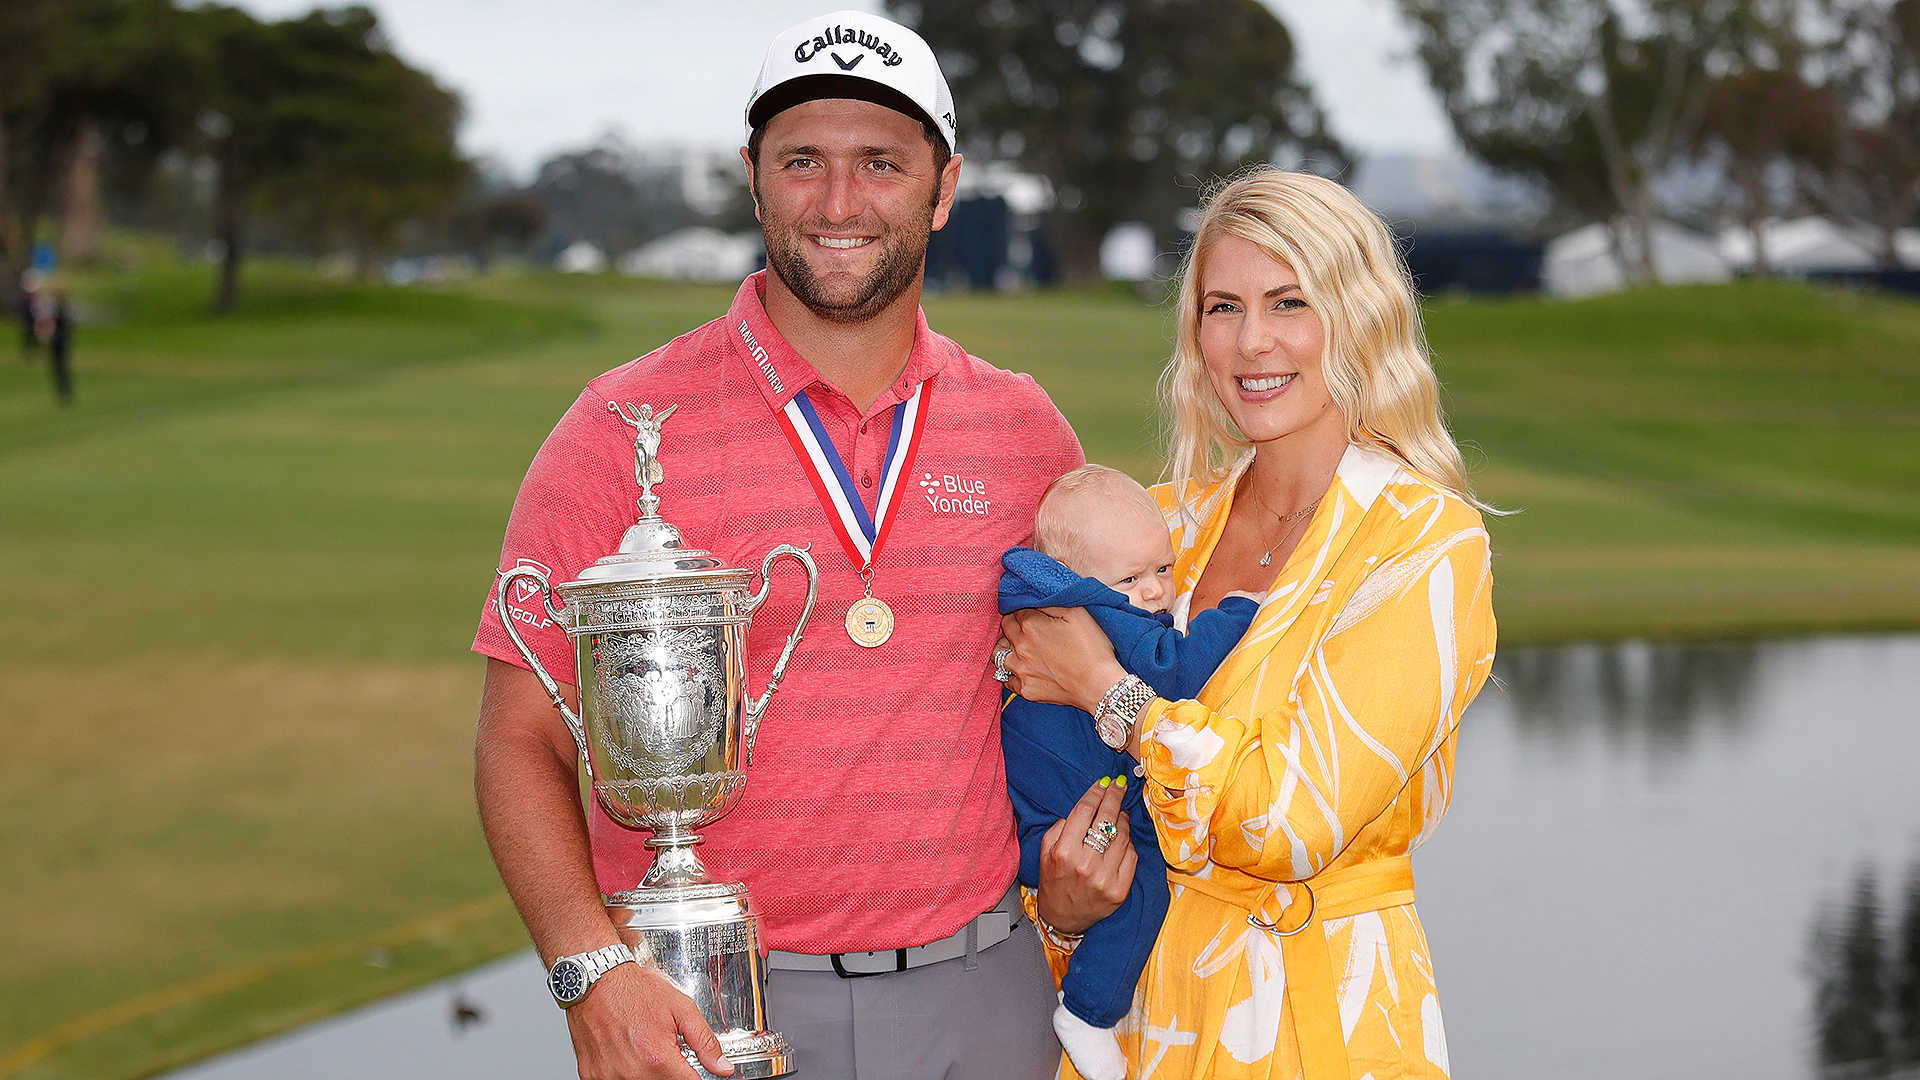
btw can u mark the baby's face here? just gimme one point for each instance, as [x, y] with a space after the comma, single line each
[1134, 555]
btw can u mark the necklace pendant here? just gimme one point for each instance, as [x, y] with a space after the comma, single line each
[1267, 559]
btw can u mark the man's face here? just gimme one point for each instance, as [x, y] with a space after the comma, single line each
[847, 195]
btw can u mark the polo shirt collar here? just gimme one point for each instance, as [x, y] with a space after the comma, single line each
[780, 372]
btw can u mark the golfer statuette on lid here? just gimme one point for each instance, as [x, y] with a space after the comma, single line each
[665, 728]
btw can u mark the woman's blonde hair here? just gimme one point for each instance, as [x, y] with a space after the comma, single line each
[1375, 363]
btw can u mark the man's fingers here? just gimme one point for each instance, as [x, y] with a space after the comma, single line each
[700, 1037]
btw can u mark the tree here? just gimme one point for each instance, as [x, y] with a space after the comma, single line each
[1595, 99]
[1876, 171]
[1126, 106]
[391, 160]
[1766, 125]
[1850, 998]
[72, 73]
[317, 116]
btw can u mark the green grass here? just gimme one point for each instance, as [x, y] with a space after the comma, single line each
[244, 571]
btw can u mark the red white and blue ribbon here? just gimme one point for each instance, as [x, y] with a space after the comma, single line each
[862, 534]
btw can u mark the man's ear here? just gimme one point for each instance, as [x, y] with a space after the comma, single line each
[949, 187]
[753, 185]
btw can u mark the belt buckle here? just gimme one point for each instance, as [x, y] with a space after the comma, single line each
[840, 969]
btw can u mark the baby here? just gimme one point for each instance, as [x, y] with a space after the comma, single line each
[1103, 545]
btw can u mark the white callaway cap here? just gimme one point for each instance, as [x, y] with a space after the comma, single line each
[853, 54]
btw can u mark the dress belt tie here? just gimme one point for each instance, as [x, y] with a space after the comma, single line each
[1330, 894]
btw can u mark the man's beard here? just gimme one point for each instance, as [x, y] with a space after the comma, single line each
[903, 250]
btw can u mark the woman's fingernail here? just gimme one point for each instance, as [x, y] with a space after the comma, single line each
[1120, 781]
[1105, 780]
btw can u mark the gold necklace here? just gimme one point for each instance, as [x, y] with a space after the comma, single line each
[1301, 514]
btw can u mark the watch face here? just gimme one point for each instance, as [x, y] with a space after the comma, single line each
[1111, 731]
[568, 980]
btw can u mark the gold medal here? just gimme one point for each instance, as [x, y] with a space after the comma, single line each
[870, 622]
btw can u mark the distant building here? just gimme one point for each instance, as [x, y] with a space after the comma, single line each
[696, 254]
[1583, 263]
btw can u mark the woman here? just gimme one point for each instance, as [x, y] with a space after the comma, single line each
[1311, 465]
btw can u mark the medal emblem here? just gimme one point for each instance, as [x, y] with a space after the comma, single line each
[870, 622]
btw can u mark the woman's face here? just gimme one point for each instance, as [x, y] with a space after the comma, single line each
[1262, 344]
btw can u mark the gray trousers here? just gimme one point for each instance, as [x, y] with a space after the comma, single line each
[939, 1022]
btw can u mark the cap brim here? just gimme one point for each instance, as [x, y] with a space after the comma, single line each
[814, 87]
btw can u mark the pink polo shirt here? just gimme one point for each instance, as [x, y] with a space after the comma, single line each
[876, 813]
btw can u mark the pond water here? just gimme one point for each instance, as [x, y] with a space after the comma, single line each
[1654, 859]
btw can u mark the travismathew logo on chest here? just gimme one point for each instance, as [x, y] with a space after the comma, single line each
[841, 35]
[949, 494]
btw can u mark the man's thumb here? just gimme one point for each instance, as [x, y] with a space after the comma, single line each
[700, 1038]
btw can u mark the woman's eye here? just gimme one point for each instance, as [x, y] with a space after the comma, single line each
[1221, 308]
[1291, 303]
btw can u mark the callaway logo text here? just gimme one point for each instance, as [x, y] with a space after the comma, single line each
[949, 494]
[841, 35]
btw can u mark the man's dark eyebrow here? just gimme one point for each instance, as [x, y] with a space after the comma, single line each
[815, 151]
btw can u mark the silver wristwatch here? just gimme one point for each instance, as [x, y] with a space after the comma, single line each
[572, 976]
[1120, 709]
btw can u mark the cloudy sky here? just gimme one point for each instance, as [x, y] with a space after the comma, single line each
[545, 75]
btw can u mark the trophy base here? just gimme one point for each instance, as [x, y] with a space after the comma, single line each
[756, 1055]
[705, 937]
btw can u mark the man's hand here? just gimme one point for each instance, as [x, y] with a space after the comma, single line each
[626, 1028]
[1078, 885]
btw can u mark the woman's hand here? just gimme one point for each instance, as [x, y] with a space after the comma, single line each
[1059, 657]
[1078, 885]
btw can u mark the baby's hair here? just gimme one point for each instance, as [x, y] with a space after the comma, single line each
[1059, 526]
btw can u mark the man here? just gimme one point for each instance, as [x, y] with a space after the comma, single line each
[875, 831]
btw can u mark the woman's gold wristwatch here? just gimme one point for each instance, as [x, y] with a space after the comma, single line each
[1120, 709]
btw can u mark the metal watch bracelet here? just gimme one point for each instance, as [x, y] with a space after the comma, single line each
[1119, 710]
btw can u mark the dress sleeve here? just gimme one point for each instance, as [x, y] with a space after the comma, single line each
[1278, 787]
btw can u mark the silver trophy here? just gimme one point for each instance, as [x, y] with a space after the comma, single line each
[659, 636]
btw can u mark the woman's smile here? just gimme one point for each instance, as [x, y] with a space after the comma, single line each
[1255, 389]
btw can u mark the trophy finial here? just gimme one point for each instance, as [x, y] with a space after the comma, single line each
[646, 449]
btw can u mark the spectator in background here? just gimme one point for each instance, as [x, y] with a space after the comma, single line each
[28, 309]
[59, 341]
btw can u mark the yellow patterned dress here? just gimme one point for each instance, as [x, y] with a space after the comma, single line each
[1289, 795]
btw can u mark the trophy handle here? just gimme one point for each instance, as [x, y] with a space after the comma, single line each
[508, 577]
[757, 707]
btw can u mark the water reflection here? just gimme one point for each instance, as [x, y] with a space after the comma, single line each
[1659, 698]
[1866, 1000]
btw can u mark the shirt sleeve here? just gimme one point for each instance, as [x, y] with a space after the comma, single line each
[573, 506]
[1279, 789]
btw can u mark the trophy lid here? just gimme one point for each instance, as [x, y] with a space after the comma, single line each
[652, 548]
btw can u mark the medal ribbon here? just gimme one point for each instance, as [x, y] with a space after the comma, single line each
[862, 535]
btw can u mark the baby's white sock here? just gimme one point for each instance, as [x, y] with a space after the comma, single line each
[1095, 1053]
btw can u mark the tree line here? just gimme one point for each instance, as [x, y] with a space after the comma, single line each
[1130, 107]
[1785, 104]
[313, 121]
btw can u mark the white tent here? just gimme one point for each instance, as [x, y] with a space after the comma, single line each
[1127, 254]
[1811, 245]
[1582, 262]
[581, 257]
[695, 254]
